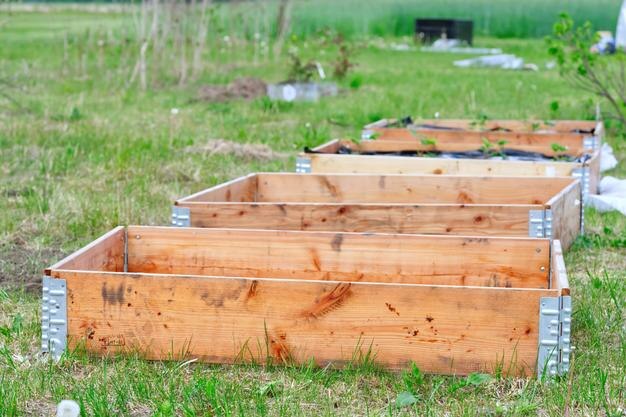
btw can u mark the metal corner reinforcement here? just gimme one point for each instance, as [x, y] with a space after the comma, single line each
[555, 316]
[181, 216]
[54, 317]
[303, 165]
[540, 223]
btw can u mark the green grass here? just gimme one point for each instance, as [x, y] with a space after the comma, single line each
[89, 155]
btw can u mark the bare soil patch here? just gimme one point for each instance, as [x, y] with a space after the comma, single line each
[241, 88]
[22, 266]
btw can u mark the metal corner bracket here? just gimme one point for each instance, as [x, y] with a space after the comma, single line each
[303, 165]
[555, 318]
[367, 134]
[54, 317]
[181, 216]
[591, 142]
[540, 223]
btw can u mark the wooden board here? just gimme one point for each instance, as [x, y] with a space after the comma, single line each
[404, 189]
[566, 208]
[559, 272]
[402, 140]
[527, 126]
[162, 308]
[457, 219]
[324, 159]
[104, 254]
[382, 164]
[449, 330]
[239, 189]
[427, 204]
[594, 172]
[416, 259]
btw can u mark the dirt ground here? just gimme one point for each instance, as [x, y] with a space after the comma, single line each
[241, 88]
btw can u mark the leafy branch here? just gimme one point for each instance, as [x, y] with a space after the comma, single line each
[602, 75]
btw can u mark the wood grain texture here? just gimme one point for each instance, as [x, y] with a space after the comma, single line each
[521, 126]
[407, 189]
[441, 260]
[559, 272]
[457, 219]
[103, 254]
[566, 207]
[239, 189]
[381, 164]
[396, 140]
[449, 330]
[594, 172]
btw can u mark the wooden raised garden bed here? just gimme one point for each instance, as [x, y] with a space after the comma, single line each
[431, 204]
[451, 304]
[343, 156]
[564, 137]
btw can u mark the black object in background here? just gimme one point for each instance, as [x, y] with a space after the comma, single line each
[429, 30]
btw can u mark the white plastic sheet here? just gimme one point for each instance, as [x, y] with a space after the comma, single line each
[504, 61]
[607, 158]
[612, 196]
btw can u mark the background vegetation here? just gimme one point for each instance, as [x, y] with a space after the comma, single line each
[505, 18]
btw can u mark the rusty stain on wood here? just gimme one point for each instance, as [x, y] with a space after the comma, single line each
[329, 302]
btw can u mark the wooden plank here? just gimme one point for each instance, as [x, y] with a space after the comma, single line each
[566, 214]
[528, 126]
[333, 146]
[457, 219]
[559, 272]
[594, 172]
[364, 188]
[397, 140]
[380, 164]
[441, 260]
[103, 254]
[239, 189]
[455, 330]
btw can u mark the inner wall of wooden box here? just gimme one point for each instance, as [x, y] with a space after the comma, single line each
[411, 139]
[363, 188]
[388, 144]
[328, 256]
[530, 126]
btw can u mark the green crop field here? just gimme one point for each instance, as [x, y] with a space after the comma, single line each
[82, 149]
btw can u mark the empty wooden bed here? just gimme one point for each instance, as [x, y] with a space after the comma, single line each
[461, 205]
[451, 304]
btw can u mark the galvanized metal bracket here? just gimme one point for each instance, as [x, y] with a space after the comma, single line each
[54, 317]
[565, 342]
[367, 134]
[591, 143]
[540, 223]
[181, 216]
[555, 315]
[303, 165]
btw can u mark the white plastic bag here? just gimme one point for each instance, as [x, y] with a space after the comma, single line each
[612, 196]
[607, 158]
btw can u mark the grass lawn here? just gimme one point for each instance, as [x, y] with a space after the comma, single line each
[81, 153]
